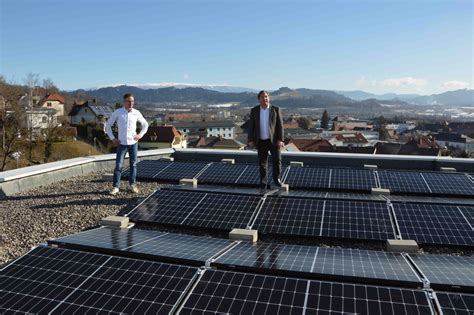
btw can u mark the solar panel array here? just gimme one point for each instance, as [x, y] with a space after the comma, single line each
[426, 182]
[148, 169]
[444, 272]
[197, 209]
[241, 293]
[66, 281]
[329, 218]
[146, 243]
[324, 263]
[432, 223]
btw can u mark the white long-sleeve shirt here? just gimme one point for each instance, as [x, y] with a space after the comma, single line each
[127, 125]
[264, 123]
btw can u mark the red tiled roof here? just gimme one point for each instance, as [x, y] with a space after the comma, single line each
[161, 134]
[352, 138]
[53, 97]
[312, 145]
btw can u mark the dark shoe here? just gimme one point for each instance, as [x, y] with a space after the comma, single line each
[278, 182]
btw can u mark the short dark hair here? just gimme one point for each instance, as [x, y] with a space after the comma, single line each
[127, 96]
[260, 93]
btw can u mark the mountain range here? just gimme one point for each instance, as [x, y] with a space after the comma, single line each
[286, 97]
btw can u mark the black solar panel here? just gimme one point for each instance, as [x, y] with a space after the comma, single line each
[323, 263]
[167, 246]
[292, 216]
[453, 184]
[251, 175]
[197, 209]
[403, 182]
[167, 206]
[357, 219]
[468, 213]
[239, 293]
[455, 303]
[222, 173]
[334, 195]
[435, 224]
[352, 179]
[147, 169]
[179, 170]
[66, 281]
[308, 177]
[447, 271]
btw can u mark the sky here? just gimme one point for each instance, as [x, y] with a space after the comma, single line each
[378, 46]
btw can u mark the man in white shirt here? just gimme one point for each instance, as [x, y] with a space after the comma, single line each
[127, 141]
[266, 133]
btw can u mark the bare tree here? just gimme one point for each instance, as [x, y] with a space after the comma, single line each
[49, 134]
[49, 86]
[32, 82]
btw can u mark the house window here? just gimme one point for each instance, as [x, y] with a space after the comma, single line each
[44, 120]
[210, 129]
[49, 104]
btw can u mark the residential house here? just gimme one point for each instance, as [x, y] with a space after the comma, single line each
[89, 112]
[217, 143]
[213, 128]
[53, 101]
[455, 141]
[311, 145]
[161, 137]
[351, 139]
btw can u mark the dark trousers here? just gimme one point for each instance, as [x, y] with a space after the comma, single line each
[263, 146]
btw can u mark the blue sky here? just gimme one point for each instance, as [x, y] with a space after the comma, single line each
[377, 46]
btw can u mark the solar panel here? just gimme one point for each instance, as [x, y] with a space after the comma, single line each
[147, 169]
[66, 281]
[403, 182]
[446, 271]
[222, 173]
[166, 206]
[324, 263]
[468, 213]
[251, 175]
[334, 195]
[308, 177]
[197, 209]
[434, 224]
[453, 184]
[431, 199]
[357, 219]
[352, 179]
[456, 303]
[141, 243]
[179, 170]
[239, 293]
[291, 216]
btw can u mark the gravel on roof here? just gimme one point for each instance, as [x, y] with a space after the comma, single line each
[62, 208]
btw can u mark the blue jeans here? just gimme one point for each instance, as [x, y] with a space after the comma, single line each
[132, 154]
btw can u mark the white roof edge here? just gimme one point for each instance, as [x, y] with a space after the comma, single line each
[53, 166]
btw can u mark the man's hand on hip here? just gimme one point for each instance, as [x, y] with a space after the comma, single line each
[116, 141]
[251, 144]
[280, 144]
[136, 137]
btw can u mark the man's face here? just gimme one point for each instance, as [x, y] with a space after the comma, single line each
[128, 103]
[264, 99]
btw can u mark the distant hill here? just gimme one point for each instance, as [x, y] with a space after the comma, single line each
[463, 97]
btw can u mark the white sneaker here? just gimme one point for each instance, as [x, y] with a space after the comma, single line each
[114, 191]
[134, 188]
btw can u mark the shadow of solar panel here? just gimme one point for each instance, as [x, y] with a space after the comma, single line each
[222, 173]
[456, 303]
[147, 169]
[352, 179]
[145, 243]
[447, 272]
[166, 206]
[308, 177]
[66, 281]
[179, 170]
[239, 293]
[197, 209]
[362, 266]
[291, 216]
[403, 182]
[357, 219]
[433, 224]
[450, 184]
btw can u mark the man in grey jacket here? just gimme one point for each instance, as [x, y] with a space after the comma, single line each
[266, 133]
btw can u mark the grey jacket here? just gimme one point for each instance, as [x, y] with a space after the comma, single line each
[275, 121]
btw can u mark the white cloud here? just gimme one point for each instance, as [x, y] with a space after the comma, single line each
[186, 76]
[405, 82]
[454, 85]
